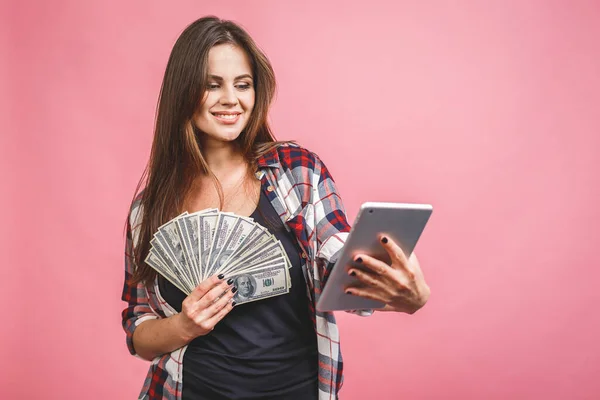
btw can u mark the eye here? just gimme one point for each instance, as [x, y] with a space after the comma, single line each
[213, 86]
[243, 86]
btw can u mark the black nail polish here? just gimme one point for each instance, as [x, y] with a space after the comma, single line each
[384, 240]
[229, 281]
[221, 276]
[353, 273]
[233, 304]
[359, 260]
[234, 289]
[348, 292]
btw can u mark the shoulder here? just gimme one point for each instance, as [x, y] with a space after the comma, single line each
[293, 156]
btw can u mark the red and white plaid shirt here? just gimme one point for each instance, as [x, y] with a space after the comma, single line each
[304, 195]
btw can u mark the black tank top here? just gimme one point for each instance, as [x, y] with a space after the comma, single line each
[265, 349]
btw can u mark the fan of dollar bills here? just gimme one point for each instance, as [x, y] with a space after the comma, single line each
[192, 247]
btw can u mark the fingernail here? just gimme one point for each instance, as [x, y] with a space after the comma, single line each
[234, 289]
[229, 281]
[348, 292]
[359, 260]
[353, 273]
[221, 276]
[384, 239]
[233, 304]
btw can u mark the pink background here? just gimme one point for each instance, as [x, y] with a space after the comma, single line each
[489, 110]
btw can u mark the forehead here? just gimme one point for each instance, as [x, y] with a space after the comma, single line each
[243, 279]
[228, 61]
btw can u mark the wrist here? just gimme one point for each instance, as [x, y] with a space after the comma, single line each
[423, 293]
[180, 328]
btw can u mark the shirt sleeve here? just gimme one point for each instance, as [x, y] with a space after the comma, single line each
[136, 295]
[332, 227]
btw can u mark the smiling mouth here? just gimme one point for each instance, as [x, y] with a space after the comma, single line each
[227, 116]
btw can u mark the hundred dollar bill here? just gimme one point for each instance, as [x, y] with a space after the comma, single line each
[188, 227]
[258, 254]
[259, 263]
[280, 260]
[265, 263]
[185, 233]
[159, 254]
[224, 226]
[168, 239]
[261, 284]
[168, 236]
[241, 229]
[257, 236]
[206, 230]
[153, 261]
[262, 260]
[256, 240]
[250, 240]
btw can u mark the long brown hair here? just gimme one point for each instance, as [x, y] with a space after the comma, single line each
[176, 158]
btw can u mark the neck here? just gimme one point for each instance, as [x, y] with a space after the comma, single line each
[222, 157]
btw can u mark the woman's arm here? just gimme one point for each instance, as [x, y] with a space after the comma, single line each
[156, 337]
[148, 335]
[332, 227]
[201, 311]
[401, 285]
[331, 224]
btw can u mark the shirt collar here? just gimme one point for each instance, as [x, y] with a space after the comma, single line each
[269, 160]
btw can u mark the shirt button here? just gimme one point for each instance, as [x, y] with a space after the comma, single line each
[270, 188]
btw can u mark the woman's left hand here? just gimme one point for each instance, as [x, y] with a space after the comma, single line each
[401, 285]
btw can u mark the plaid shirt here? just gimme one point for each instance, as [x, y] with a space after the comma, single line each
[304, 195]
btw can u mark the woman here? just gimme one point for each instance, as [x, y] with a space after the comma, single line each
[213, 148]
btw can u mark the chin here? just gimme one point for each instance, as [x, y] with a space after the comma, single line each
[230, 137]
[222, 136]
[214, 131]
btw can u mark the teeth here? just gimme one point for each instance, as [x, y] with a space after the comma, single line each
[227, 116]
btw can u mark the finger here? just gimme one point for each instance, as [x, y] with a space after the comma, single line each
[212, 321]
[389, 286]
[414, 265]
[365, 277]
[367, 293]
[376, 266]
[394, 251]
[389, 308]
[218, 305]
[214, 294]
[206, 285]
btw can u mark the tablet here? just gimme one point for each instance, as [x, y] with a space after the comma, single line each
[402, 222]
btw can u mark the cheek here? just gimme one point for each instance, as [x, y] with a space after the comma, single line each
[201, 117]
[206, 104]
[248, 101]
[200, 120]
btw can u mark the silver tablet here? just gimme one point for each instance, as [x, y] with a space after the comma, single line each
[402, 222]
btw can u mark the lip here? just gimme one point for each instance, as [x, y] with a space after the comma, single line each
[227, 121]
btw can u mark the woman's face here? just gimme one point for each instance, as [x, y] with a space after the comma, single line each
[229, 99]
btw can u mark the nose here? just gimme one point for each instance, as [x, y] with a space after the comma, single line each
[228, 96]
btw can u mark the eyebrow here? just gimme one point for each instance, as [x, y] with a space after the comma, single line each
[219, 78]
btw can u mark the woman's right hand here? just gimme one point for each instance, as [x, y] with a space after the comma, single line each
[208, 303]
